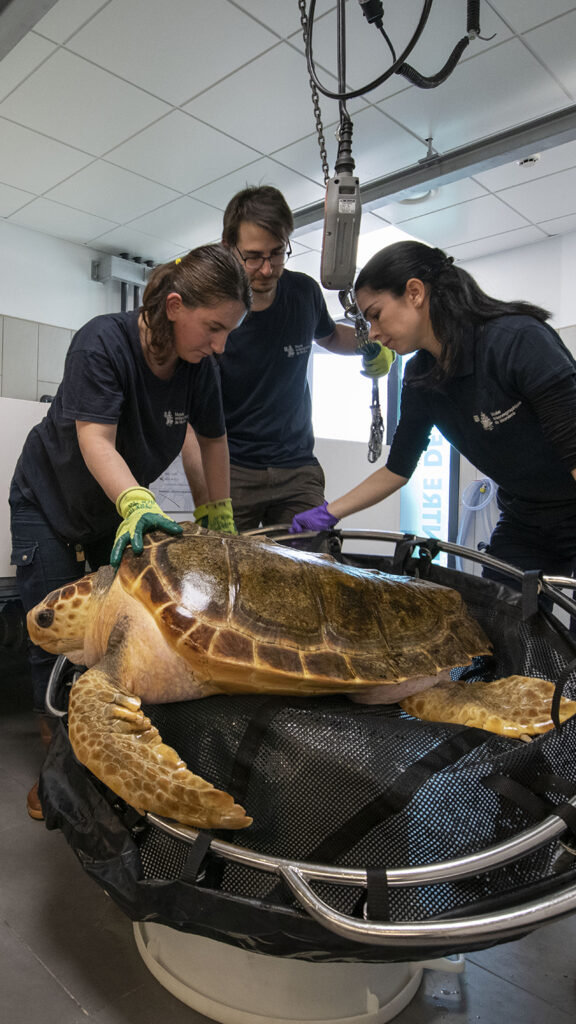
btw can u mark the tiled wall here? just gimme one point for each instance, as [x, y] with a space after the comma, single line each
[31, 358]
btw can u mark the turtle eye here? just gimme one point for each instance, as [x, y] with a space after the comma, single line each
[45, 618]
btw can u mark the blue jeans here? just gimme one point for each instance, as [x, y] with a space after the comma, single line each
[45, 561]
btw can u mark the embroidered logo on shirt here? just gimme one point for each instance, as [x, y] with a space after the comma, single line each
[296, 350]
[490, 420]
[175, 418]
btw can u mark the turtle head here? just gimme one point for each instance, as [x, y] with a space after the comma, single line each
[59, 622]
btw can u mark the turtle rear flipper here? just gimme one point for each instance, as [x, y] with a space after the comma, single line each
[112, 736]
[515, 706]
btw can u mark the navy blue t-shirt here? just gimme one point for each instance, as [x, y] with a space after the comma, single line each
[266, 398]
[486, 411]
[107, 380]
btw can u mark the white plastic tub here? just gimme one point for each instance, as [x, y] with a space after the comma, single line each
[236, 986]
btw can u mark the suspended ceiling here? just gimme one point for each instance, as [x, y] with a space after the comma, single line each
[127, 125]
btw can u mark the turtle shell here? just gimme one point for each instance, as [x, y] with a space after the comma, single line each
[256, 615]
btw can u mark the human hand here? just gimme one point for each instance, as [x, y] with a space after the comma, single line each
[216, 515]
[140, 513]
[377, 365]
[313, 519]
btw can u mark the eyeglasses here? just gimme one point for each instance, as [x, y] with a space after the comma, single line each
[254, 261]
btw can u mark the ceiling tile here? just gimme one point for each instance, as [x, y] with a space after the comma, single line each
[11, 199]
[80, 104]
[112, 192]
[477, 218]
[200, 47]
[241, 105]
[496, 243]
[559, 226]
[379, 146]
[24, 58]
[60, 221]
[297, 190]
[280, 17]
[509, 84]
[66, 17]
[304, 156]
[525, 14]
[447, 195]
[198, 153]
[32, 161]
[135, 243]
[554, 45]
[184, 222]
[544, 198]
[550, 161]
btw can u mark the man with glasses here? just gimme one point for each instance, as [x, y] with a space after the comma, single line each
[267, 404]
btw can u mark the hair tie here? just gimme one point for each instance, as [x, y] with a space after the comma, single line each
[177, 261]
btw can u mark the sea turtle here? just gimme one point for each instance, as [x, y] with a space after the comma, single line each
[209, 613]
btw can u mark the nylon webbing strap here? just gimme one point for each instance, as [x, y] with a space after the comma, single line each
[530, 580]
[402, 552]
[518, 794]
[377, 900]
[383, 806]
[528, 801]
[250, 745]
[558, 690]
[195, 857]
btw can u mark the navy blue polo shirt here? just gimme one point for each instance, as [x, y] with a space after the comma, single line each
[265, 391]
[485, 409]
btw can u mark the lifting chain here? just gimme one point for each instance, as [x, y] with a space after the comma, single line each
[315, 99]
[367, 348]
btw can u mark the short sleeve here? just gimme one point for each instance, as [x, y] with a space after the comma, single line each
[91, 388]
[206, 414]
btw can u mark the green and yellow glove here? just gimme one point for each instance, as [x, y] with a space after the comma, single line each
[216, 515]
[377, 365]
[140, 513]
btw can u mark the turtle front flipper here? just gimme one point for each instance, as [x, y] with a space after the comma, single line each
[112, 736]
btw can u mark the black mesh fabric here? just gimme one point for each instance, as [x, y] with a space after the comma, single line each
[330, 781]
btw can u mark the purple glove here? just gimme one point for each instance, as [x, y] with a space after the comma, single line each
[314, 519]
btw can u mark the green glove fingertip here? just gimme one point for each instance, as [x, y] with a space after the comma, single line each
[380, 364]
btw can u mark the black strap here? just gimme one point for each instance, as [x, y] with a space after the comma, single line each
[559, 685]
[548, 781]
[250, 745]
[402, 554]
[349, 833]
[530, 587]
[528, 801]
[195, 857]
[518, 794]
[377, 899]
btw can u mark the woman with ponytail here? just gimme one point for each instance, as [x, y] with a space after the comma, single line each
[139, 388]
[498, 383]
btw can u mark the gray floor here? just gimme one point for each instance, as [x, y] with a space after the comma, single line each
[67, 954]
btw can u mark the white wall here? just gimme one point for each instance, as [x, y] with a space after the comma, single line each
[542, 273]
[48, 280]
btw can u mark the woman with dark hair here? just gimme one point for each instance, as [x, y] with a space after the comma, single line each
[498, 383]
[139, 388]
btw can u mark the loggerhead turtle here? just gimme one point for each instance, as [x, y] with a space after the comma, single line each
[209, 613]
